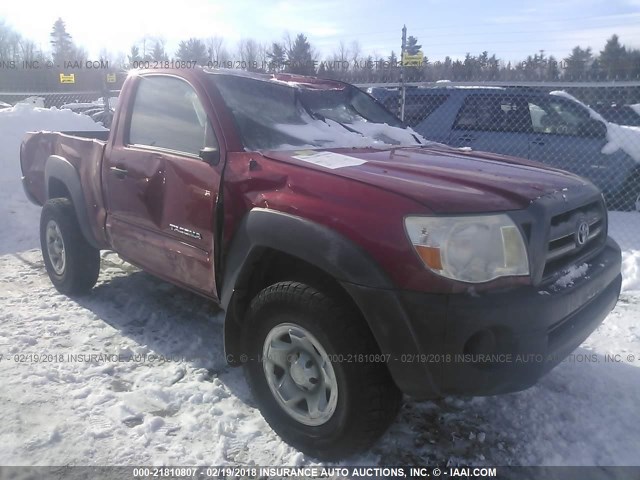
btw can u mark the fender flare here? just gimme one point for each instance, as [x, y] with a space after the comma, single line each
[359, 274]
[311, 242]
[61, 169]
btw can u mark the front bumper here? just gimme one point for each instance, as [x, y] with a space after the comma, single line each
[490, 343]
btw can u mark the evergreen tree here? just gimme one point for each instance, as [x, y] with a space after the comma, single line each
[553, 72]
[469, 67]
[61, 43]
[158, 53]
[483, 60]
[535, 66]
[577, 63]
[612, 59]
[493, 68]
[134, 54]
[457, 71]
[412, 47]
[446, 68]
[277, 57]
[632, 64]
[300, 56]
[368, 65]
[192, 50]
[393, 60]
[596, 72]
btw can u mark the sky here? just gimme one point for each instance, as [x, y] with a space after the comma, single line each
[510, 29]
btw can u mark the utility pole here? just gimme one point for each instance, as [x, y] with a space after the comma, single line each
[402, 86]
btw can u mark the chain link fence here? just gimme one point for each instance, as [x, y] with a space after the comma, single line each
[590, 129]
[81, 87]
[90, 103]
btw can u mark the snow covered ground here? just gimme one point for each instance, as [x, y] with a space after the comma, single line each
[135, 374]
[18, 216]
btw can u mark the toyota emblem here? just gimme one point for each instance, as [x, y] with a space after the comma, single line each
[582, 233]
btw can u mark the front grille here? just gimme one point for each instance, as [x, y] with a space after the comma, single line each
[562, 247]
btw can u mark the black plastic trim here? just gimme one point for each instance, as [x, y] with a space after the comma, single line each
[301, 238]
[59, 168]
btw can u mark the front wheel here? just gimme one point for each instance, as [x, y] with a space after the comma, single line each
[315, 371]
[72, 263]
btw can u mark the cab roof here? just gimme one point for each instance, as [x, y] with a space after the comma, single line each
[290, 79]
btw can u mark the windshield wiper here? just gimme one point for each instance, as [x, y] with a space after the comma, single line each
[318, 116]
[352, 130]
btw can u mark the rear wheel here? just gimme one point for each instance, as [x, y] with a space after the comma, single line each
[72, 263]
[315, 371]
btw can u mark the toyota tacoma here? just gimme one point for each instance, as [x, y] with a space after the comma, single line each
[354, 260]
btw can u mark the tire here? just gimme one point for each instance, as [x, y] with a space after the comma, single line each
[357, 401]
[72, 263]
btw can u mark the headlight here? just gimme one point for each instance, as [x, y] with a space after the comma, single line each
[472, 249]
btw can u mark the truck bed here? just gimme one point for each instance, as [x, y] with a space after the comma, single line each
[84, 151]
[102, 135]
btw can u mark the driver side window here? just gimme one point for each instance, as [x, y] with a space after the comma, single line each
[167, 114]
[558, 117]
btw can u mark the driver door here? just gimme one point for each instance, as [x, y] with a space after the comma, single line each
[498, 123]
[161, 195]
[566, 137]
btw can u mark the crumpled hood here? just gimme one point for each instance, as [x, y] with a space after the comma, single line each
[446, 179]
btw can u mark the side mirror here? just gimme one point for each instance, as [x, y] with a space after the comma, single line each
[211, 155]
[593, 128]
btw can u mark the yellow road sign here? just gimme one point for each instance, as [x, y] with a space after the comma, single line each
[111, 78]
[412, 60]
[68, 78]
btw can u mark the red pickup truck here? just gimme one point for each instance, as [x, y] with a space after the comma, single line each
[354, 260]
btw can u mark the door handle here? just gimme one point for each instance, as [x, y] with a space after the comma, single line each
[466, 138]
[119, 172]
[537, 141]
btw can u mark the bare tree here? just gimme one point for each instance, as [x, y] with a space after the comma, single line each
[287, 41]
[145, 46]
[28, 50]
[119, 60]
[80, 54]
[356, 51]
[115, 59]
[9, 43]
[249, 53]
[263, 55]
[343, 53]
[215, 49]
